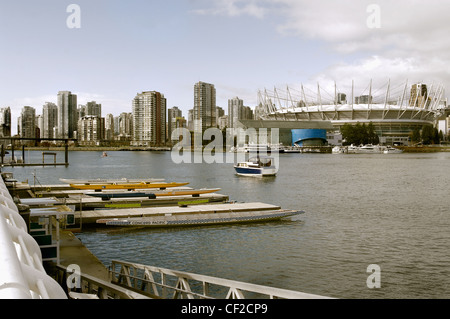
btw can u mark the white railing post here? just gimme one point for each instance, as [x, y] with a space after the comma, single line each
[22, 275]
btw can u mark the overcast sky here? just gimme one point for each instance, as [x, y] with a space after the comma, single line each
[126, 47]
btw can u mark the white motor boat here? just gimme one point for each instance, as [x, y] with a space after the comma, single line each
[368, 149]
[258, 166]
[352, 149]
[338, 150]
[392, 150]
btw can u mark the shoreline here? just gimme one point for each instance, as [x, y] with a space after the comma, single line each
[96, 148]
[424, 149]
[406, 149]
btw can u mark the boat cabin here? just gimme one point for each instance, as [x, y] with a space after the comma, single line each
[261, 161]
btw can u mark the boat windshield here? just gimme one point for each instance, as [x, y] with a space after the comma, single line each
[262, 161]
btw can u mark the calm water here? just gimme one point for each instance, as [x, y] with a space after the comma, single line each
[390, 210]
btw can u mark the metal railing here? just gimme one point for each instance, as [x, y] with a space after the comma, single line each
[22, 274]
[171, 284]
[87, 286]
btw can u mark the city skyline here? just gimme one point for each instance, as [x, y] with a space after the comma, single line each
[239, 46]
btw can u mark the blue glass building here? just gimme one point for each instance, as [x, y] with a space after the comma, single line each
[309, 137]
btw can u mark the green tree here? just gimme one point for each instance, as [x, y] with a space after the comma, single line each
[364, 136]
[436, 139]
[372, 135]
[415, 135]
[441, 136]
[359, 134]
[347, 134]
[427, 135]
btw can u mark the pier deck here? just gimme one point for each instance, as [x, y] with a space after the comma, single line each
[73, 252]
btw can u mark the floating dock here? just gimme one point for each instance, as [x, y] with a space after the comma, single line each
[200, 219]
[178, 206]
[98, 216]
[79, 200]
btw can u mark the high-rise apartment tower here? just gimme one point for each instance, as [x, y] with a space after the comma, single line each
[149, 117]
[67, 114]
[204, 106]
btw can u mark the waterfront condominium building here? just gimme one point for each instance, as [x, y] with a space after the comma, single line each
[26, 123]
[190, 120]
[172, 115]
[222, 122]
[109, 127]
[91, 129]
[5, 121]
[235, 107]
[94, 108]
[116, 125]
[125, 125]
[49, 119]
[91, 108]
[81, 111]
[149, 118]
[237, 111]
[204, 115]
[219, 113]
[67, 114]
[39, 122]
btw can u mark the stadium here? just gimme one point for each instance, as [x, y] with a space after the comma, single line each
[395, 110]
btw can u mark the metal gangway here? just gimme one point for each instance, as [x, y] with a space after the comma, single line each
[162, 283]
[22, 274]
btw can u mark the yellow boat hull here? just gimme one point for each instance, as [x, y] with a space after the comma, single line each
[186, 192]
[124, 194]
[127, 186]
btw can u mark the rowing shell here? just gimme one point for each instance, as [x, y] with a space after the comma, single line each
[109, 181]
[127, 186]
[192, 192]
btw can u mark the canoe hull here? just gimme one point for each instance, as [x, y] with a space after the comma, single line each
[110, 181]
[127, 186]
[153, 195]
